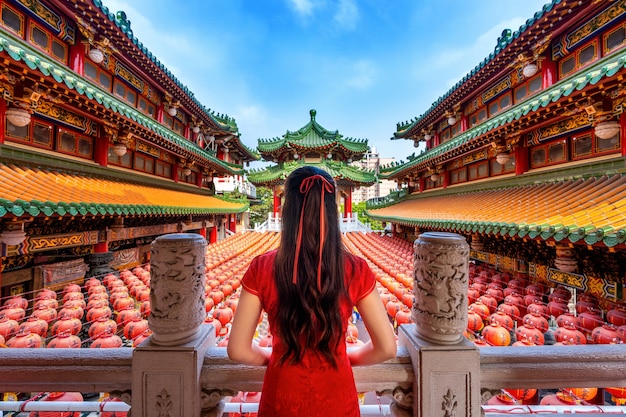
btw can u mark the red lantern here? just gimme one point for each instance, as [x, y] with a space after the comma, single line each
[35, 325]
[618, 395]
[223, 314]
[46, 303]
[65, 340]
[124, 316]
[135, 327]
[605, 335]
[72, 288]
[16, 301]
[404, 316]
[75, 312]
[617, 315]
[14, 313]
[489, 301]
[232, 303]
[101, 326]
[556, 308]
[530, 333]
[95, 313]
[496, 335]
[137, 340]
[59, 396]
[66, 324]
[537, 321]
[216, 324]
[393, 307]
[107, 340]
[475, 322]
[123, 303]
[113, 413]
[25, 339]
[569, 334]
[589, 320]
[481, 309]
[8, 327]
[502, 319]
[45, 313]
[68, 296]
[511, 311]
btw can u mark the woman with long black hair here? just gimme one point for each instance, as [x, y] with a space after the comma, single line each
[308, 287]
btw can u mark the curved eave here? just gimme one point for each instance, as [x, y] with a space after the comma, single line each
[122, 36]
[591, 76]
[568, 211]
[27, 192]
[19, 52]
[339, 171]
[508, 47]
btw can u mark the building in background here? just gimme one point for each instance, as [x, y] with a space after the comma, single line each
[372, 161]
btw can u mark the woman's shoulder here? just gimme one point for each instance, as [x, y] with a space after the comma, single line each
[265, 259]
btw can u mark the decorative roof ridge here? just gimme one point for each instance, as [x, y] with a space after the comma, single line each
[20, 52]
[607, 66]
[121, 21]
[502, 42]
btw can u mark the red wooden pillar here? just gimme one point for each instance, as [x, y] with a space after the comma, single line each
[521, 160]
[232, 218]
[347, 207]
[199, 179]
[101, 151]
[276, 202]
[464, 123]
[77, 58]
[548, 73]
[213, 234]
[436, 140]
[202, 231]
[422, 184]
[446, 179]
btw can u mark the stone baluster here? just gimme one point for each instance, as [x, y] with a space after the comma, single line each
[167, 366]
[446, 364]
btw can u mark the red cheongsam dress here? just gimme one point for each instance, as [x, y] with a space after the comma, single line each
[313, 387]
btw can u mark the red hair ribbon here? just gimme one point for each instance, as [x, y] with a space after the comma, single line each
[305, 187]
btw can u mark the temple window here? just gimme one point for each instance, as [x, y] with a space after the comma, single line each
[499, 104]
[144, 163]
[478, 170]
[580, 58]
[190, 179]
[13, 20]
[527, 88]
[163, 169]
[587, 146]
[125, 160]
[98, 75]
[614, 39]
[124, 92]
[548, 153]
[458, 176]
[146, 107]
[74, 144]
[498, 169]
[41, 38]
[36, 133]
[478, 117]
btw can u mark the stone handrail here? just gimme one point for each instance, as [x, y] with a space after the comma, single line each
[179, 372]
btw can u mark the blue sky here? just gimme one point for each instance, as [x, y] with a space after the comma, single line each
[364, 65]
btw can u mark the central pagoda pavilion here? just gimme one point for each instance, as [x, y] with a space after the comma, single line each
[313, 145]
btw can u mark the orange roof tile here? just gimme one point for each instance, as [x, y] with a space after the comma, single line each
[46, 192]
[592, 209]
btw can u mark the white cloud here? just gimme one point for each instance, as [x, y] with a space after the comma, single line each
[302, 7]
[347, 14]
[364, 74]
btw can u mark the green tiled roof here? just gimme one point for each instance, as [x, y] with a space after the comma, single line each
[504, 40]
[338, 170]
[35, 60]
[120, 20]
[312, 136]
[605, 68]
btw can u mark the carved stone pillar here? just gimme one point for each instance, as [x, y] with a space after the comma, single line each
[446, 365]
[167, 366]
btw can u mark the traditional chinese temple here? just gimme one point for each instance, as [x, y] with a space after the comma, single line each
[313, 145]
[101, 147]
[524, 156]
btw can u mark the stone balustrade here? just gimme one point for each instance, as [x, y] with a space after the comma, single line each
[179, 371]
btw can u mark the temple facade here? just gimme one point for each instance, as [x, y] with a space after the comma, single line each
[102, 149]
[313, 145]
[525, 155]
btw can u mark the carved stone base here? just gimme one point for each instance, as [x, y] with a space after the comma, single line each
[169, 377]
[447, 376]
